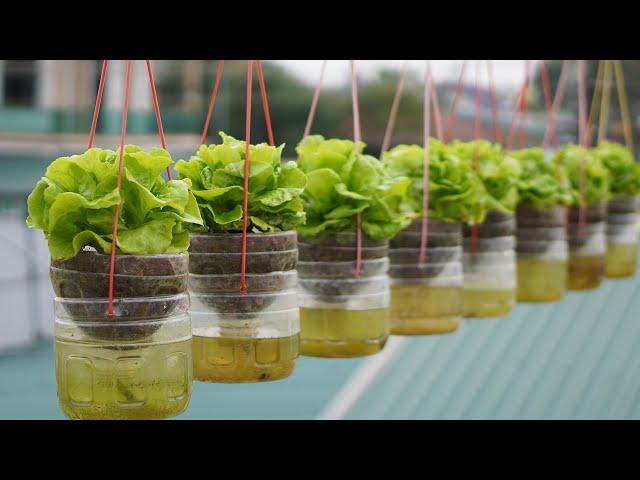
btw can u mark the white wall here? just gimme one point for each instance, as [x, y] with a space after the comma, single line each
[26, 296]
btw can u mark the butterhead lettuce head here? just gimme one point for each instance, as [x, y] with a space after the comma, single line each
[74, 204]
[498, 171]
[342, 182]
[543, 183]
[597, 177]
[623, 169]
[217, 175]
[456, 193]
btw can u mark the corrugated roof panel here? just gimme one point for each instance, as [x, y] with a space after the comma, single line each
[577, 358]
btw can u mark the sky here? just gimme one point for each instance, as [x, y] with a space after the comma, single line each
[507, 73]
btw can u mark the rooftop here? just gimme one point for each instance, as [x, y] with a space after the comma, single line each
[577, 358]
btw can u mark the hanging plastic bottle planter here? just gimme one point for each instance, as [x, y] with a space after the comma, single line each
[426, 264]
[541, 216]
[342, 315]
[622, 217]
[426, 257]
[353, 207]
[242, 270]
[135, 364]
[587, 246]
[619, 160]
[489, 247]
[542, 254]
[589, 182]
[622, 237]
[244, 337]
[119, 272]
[426, 298]
[489, 267]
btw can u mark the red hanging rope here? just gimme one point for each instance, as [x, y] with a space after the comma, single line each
[514, 117]
[357, 134]
[582, 133]
[544, 75]
[265, 103]
[451, 119]
[425, 173]
[156, 107]
[476, 153]
[245, 200]
[436, 107]
[549, 107]
[550, 134]
[388, 132]
[524, 106]
[314, 102]
[123, 134]
[96, 108]
[497, 131]
[212, 102]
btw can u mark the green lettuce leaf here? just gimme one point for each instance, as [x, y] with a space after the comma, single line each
[217, 175]
[74, 204]
[597, 177]
[456, 193]
[543, 183]
[498, 171]
[624, 170]
[342, 182]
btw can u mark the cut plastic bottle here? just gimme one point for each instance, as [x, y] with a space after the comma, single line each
[340, 315]
[252, 337]
[490, 268]
[426, 299]
[542, 254]
[135, 364]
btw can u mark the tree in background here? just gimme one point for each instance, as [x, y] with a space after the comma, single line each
[631, 69]
[290, 100]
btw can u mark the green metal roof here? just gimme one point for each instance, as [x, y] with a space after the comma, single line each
[578, 358]
[28, 391]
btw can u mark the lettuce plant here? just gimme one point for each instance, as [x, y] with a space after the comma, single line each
[542, 183]
[597, 177]
[456, 193]
[217, 175]
[623, 169]
[498, 171]
[74, 204]
[342, 182]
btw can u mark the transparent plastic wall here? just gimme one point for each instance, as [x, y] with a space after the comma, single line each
[340, 315]
[238, 337]
[542, 254]
[587, 249]
[135, 364]
[426, 298]
[490, 267]
[622, 237]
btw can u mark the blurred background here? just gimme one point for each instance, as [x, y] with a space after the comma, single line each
[517, 367]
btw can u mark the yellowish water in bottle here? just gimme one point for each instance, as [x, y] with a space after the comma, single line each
[235, 359]
[488, 303]
[95, 382]
[343, 333]
[585, 271]
[621, 260]
[423, 310]
[541, 280]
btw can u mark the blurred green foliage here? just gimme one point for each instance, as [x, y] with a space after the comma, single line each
[290, 98]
